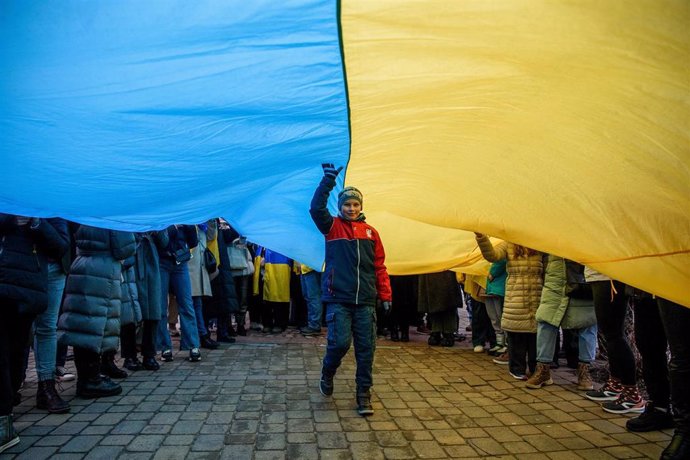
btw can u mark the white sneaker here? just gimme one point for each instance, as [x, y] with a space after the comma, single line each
[62, 375]
[478, 349]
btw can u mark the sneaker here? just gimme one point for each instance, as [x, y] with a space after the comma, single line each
[8, 435]
[503, 358]
[167, 356]
[194, 355]
[364, 407]
[629, 401]
[478, 349]
[518, 376]
[609, 392]
[326, 385]
[309, 332]
[493, 350]
[62, 375]
[652, 419]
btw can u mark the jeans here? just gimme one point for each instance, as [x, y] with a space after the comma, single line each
[175, 277]
[45, 325]
[198, 303]
[345, 323]
[547, 335]
[311, 290]
[611, 322]
[494, 308]
[676, 321]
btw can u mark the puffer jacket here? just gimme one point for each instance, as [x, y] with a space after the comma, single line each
[556, 308]
[93, 291]
[523, 284]
[24, 254]
[130, 312]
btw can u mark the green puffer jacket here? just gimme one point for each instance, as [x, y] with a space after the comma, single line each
[556, 308]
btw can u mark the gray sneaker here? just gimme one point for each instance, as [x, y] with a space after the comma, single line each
[364, 406]
[326, 385]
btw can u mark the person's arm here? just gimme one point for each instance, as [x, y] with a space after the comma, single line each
[491, 253]
[122, 244]
[383, 283]
[161, 239]
[190, 236]
[319, 202]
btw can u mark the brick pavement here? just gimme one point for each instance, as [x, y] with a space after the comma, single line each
[258, 399]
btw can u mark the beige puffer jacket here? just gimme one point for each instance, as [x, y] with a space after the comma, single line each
[523, 285]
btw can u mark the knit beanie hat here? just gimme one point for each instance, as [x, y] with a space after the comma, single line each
[349, 193]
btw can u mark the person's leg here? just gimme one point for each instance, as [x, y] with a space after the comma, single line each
[45, 336]
[339, 321]
[311, 289]
[610, 308]
[128, 341]
[282, 315]
[587, 348]
[517, 350]
[531, 341]
[676, 321]
[7, 324]
[182, 288]
[162, 337]
[651, 342]
[148, 346]
[480, 324]
[198, 304]
[241, 288]
[547, 334]
[364, 338]
[494, 309]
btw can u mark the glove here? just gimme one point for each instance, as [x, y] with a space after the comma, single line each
[387, 307]
[330, 171]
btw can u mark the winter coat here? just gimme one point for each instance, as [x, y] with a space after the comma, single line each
[523, 284]
[198, 274]
[93, 292]
[24, 254]
[497, 284]
[556, 308]
[224, 298]
[355, 271]
[148, 273]
[130, 313]
[438, 292]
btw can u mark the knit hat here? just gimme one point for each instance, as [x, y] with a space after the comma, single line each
[349, 193]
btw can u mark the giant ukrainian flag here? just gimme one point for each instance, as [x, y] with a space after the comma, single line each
[560, 125]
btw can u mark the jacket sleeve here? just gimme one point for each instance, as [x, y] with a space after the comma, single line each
[123, 244]
[190, 236]
[491, 253]
[161, 239]
[319, 205]
[383, 283]
[53, 237]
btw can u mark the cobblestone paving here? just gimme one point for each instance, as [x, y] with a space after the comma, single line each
[258, 399]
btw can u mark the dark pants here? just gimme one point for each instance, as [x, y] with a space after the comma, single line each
[522, 352]
[404, 312]
[650, 339]
[445, 322]
[482, 330]
[128, 337]
[14, 336]
[676, 321]
[87, 362]
[345, 323]
[275, 314]
[611, 323]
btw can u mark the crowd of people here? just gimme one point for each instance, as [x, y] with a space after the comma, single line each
[103, 291]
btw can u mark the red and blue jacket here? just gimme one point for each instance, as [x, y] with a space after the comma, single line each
[355, 271]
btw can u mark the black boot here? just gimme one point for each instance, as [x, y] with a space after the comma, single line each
[405, 334]
[678, 449]
[224, 326]
[133, 364]
[48, 399]
[395, 335]
[448, 340]
[109, 368]
[208, 343]
[434, 339]
[150, 364]
[90, 382]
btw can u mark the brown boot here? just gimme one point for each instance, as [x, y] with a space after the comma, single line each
[48, 399]
[540, 378]
[584, 380]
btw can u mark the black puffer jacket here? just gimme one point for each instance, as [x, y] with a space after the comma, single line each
[93, 291]
[24, 252]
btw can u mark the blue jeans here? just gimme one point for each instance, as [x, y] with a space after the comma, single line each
[345, 322]
[311, 290]
[175, 277]
[199, 314]
[548, 334]
[45, 325]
